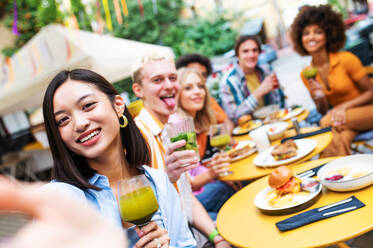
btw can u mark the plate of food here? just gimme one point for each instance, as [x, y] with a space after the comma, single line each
[285, 153]
[266, 111]
[286, 114]
[245, 125]
[286, 193]
[242, 150]
[348, 173]
[275, 130]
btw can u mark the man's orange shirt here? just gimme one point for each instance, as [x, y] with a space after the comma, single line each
[345, 69]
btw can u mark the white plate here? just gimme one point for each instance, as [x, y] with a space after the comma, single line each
[355, 164]
[265, 159]
[293, 113]
[300, 202]
[240, 131]
[265, 111]
[242, 144]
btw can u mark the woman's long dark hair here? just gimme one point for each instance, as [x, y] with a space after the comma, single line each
[72, 168]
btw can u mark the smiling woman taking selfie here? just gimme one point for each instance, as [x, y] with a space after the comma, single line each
[95, 144]
[336, 80]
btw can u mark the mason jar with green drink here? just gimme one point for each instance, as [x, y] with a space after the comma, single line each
[183, 129]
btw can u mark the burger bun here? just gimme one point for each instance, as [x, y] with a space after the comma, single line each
[243, 119]
[280, 176]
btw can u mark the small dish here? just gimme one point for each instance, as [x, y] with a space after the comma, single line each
[276, 130]
[356, 172]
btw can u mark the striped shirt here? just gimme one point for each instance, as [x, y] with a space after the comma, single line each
[237, 99]
[156, 136]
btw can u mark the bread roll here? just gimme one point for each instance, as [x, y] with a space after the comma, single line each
[279, 176]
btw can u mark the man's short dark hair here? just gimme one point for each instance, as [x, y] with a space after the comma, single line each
[187, 59]
[244, 38]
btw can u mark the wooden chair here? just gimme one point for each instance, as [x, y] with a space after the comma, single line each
[363, 138]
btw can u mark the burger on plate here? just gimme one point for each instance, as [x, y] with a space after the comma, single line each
[284, 151]
[283, 181]
[244, 121]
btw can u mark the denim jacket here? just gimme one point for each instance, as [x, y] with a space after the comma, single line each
[169, 215]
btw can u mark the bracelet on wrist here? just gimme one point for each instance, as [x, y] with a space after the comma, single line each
[213, 234]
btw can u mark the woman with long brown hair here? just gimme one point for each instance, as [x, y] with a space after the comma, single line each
[95, 143]
[193, 100]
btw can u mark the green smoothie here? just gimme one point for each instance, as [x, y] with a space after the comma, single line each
[139, 206]
[220, 141]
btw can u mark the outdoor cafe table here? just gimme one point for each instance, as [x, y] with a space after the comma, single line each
[241, 223]
[245, 169]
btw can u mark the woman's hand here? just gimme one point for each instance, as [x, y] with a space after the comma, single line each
[219, 164]
[316, 89]
[318, 96]
[152, 235]
[338, 115]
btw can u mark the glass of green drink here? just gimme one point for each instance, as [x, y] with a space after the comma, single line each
[183, 129]
[220, 138]
[137, 201]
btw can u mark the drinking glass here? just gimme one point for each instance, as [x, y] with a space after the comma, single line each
[260, 138]
[183, 129]
[137, 201]
[220, 138]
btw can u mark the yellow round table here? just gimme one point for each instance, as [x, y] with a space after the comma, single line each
[245, 169]
[241, 223]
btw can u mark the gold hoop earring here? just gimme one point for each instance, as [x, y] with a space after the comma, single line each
[125, 121]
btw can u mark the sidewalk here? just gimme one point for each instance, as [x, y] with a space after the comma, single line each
[288, 67]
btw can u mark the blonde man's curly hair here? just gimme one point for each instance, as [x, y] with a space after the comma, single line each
[151, 56]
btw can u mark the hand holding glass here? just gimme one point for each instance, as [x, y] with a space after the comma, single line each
[220, 138]
[183, 130]
[137, 201]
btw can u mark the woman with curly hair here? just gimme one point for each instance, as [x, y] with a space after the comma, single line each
[336, 80]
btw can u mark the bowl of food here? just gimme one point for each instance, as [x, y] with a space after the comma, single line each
[276, 130]
[348, 173]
